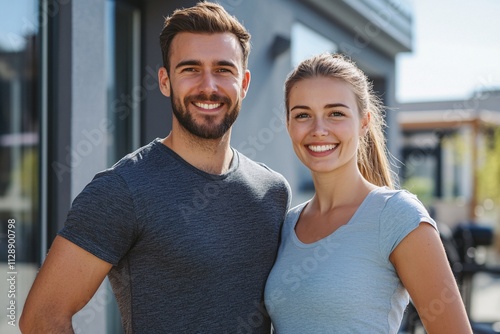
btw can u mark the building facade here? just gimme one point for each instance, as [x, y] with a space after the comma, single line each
[78, 89]
[450, 153]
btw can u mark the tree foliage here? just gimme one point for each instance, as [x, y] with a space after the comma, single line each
[488, 178]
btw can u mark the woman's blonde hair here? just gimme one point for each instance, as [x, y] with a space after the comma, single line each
[372, 152]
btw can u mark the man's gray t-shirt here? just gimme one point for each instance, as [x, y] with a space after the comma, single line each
[190, 251]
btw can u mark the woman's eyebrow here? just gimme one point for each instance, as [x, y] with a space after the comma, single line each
[299, 107]
[327, 106]
[336, 105]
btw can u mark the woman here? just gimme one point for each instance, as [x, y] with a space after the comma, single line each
[351, 256]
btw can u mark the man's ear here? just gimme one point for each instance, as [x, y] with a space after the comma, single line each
[164, 81]
[245, 83]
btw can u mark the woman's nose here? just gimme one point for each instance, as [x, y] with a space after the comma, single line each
[319, 129]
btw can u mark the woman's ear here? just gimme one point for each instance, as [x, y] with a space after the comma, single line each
[365, 123]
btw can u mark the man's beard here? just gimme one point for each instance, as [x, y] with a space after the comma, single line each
[209, 129]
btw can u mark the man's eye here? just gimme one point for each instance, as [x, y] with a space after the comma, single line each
[224, 70]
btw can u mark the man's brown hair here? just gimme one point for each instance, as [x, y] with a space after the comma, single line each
[205, 18]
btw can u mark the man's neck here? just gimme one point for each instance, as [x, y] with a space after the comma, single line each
[212, 156]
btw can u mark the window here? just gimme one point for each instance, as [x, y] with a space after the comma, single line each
[19, 155]
[307, 42]
[124, 91]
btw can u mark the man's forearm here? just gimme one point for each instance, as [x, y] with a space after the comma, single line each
[45, 324]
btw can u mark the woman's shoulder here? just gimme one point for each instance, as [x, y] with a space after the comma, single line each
[297, 209]
[402, 212]
[293, 215]
[395, 199]
[399, 207]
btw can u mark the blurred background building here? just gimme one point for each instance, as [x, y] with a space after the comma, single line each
[78, 90]
[451, 156]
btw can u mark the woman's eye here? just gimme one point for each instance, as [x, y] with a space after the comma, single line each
[337, 114]
[301, 115]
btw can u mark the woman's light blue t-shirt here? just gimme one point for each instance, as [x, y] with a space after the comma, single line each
[345, 283]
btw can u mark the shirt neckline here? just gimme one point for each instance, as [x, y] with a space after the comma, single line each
[232, 167]
[338, 231]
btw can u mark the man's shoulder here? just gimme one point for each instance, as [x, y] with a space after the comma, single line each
[252, 166]
[129, 167]
[143, 155]
[264, 177]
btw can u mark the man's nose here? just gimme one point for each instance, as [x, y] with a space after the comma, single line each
[208, 83]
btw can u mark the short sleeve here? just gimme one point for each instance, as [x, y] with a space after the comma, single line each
[102, 218]
[402, 214]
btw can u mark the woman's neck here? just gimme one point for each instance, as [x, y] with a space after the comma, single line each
[333, 190]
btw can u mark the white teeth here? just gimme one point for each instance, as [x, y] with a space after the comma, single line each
[321, 148]
[207, 106]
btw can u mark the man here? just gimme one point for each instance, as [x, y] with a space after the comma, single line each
[186, 228]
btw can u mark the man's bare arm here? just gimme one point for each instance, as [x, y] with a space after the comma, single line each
[67, 280]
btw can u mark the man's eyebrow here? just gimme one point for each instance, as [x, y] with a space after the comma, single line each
[226, 63]
[193, 62]
[189, 62]
[327, 106]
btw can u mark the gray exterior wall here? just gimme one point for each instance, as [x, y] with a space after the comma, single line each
[89, 117]
[89, 105]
